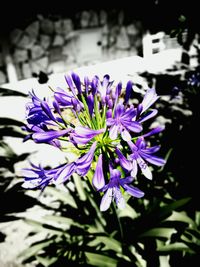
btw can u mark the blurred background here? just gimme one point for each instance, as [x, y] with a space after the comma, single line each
[156, 44]
[56, 39]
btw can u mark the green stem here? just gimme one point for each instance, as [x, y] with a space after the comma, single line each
[87, 113]
[97, 113]
[119, 225]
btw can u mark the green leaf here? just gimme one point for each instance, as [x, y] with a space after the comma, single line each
[159, 232]
[178, 246]
[9, 92]
[166, 158]
[46, 261]
[79, 186]
[167, 209]
[62, 196]
[34, 249]
[100, 260]
[182, 217]
[8, 121]
[128, 211]
[41, 226]
[6, 150]
[110, 243]
[62, 221]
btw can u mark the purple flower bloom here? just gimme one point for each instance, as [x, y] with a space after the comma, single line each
[126, 164]
[129, 88]
[45, 137]
[34, 112]
[117, 92]
[90, 102]
[102, 121]
[77, 82]
[98, 180]
[83, 164]
[63, 174]
[194, 80]
[37, 177]
[66, 99]
[104, 87]
[142, 153]
[148, 115]
[112, 190]
[82, 135]
[63, 98]
[154, 131]
[123, 122]
[149, 99]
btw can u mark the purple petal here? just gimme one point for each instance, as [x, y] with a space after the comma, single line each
[140, 143]
[57, 108]
[110, 121]
[64, 173]
[86, 83]
[129, 88]
[102, 87]
[133, 191]
[63, 98]
[88, 156]
[132, 146]
[119, 110]
[154, 131]
[98, 178]
[149, 98]
[129, 114]
[47, 110]
[118, 91]
[139, 109]
[87, 132]
[132, 126]
[126, 164]
[90, 102]
[110, 103]
[83, 163]
[106, 200]
[109, 116]
[113, 133]
[70, 84]
[125, 135]
[105, 82]
[95, 84]
[48, 136]
[134, 168]
[77, 105]
[77, 82]
[118, 197]
[144, 168]
[127, 180]
[151, 150]
[80, 140]
[153, 159]
[148, 115]
[114, 174]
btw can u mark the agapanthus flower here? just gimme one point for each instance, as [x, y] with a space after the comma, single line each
[194, 80]
[113, 190]
[142, 153]
[106, 130]
[123, 123]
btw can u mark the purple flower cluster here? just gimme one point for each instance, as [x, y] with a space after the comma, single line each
[106, 130]
[194, 80]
